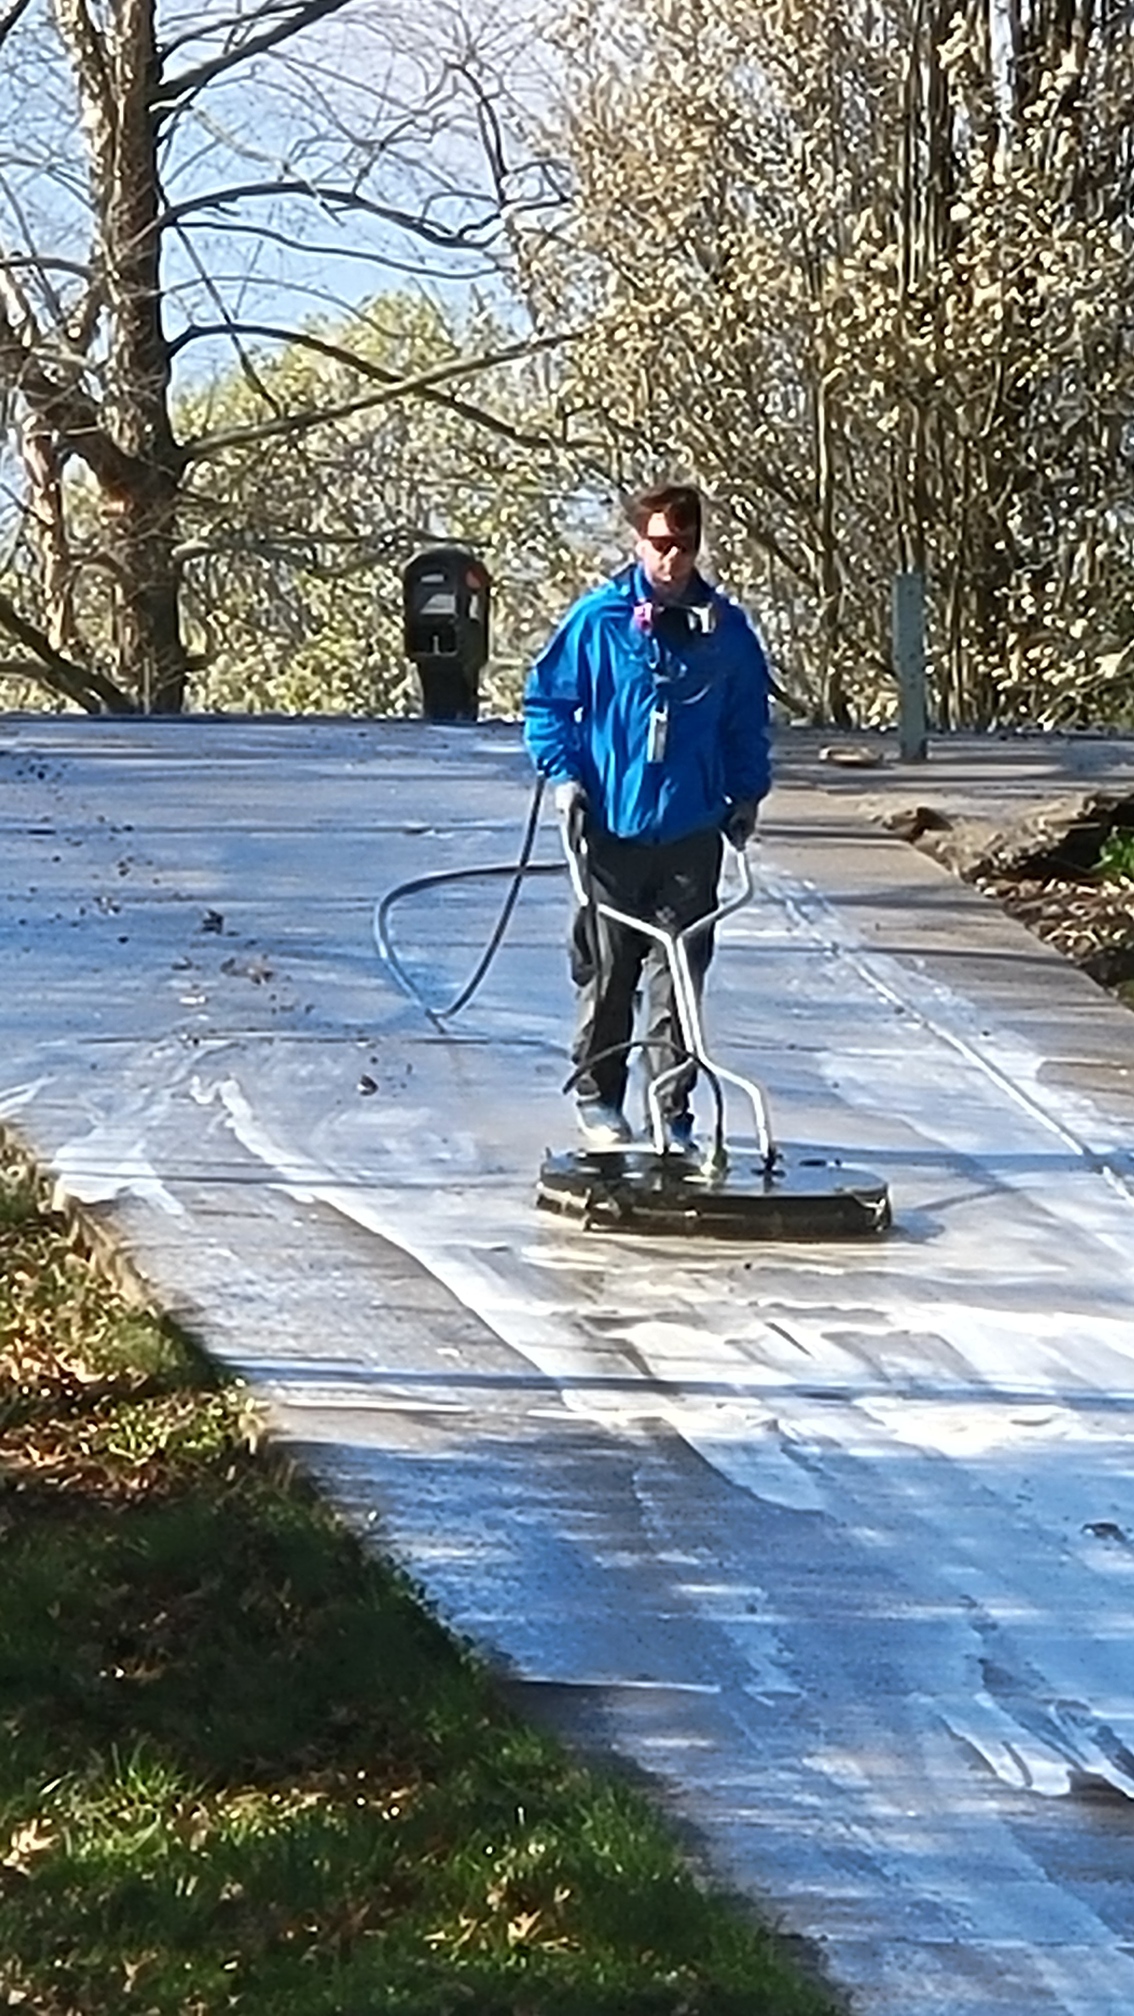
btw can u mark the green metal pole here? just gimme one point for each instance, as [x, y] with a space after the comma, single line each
[908, 643]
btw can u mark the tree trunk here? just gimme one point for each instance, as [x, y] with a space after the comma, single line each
[149, 647]
[142, 514]
[43, 466]
[833, 687]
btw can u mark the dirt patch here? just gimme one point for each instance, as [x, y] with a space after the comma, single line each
[1043, 868]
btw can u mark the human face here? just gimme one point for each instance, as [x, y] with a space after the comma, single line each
[668, 555]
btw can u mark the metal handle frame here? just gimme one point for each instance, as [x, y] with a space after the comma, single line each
[675, 945]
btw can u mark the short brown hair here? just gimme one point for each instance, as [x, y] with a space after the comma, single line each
[681, 503]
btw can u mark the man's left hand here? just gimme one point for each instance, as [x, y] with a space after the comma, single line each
[740, 824]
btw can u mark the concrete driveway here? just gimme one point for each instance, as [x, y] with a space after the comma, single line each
[837, 1543]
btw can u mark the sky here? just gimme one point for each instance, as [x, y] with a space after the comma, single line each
[378, 99]
[375, 100]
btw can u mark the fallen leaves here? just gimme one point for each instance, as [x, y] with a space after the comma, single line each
[1090, 922]
[27, 1842]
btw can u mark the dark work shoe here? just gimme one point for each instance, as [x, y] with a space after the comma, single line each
[602, 1126]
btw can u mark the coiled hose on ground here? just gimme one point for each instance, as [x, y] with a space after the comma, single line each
[518, 869]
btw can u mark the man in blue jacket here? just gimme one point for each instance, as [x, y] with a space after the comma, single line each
[648, 712]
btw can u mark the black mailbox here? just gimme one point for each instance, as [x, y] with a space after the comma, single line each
[445, 597]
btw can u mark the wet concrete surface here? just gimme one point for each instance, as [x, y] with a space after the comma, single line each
[836, 1544]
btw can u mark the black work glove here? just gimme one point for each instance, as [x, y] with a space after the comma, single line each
[740, 824]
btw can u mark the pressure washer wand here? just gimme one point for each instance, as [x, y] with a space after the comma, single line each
[675, 946]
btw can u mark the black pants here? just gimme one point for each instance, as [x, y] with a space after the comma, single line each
[672, 884]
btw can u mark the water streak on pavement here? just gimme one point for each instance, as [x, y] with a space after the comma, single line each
[838, 1542]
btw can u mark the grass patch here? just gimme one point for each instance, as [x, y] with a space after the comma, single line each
[1116, 856]
[242, 1768]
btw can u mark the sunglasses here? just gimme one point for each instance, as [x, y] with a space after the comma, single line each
[672, 542]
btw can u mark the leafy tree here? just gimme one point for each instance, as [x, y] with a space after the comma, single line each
[292, 562]
[866, 270]
[167, 176]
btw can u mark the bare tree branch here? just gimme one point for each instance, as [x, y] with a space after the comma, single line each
[323, 347]
[233, 23]
[65, 408]
[42, 675]
[335, 200]
[384, 160]
[87, 688]
[316, 249]
[226, 327]
[8, 21]
[420, 384]
[42, 263]
[292, 20]
[93, 74]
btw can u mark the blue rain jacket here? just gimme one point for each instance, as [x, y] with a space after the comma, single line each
[592, 692]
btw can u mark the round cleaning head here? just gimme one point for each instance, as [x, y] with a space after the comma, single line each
[638, 1190]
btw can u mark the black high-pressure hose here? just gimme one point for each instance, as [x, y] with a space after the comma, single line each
[516, 869]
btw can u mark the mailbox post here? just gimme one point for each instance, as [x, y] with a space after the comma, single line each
[445, 598]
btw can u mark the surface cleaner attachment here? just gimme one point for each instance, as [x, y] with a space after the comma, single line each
[758, 1193]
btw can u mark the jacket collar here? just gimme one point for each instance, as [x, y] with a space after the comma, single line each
[696, 595]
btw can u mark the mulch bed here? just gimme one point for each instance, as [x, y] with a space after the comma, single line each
[1043, 869]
